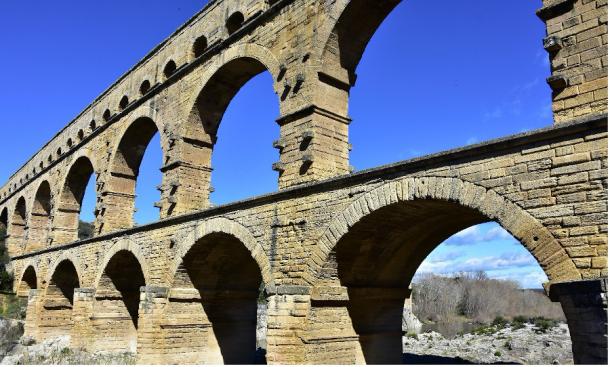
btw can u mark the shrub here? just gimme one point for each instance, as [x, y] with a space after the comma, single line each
[497, 353]
[499, 321]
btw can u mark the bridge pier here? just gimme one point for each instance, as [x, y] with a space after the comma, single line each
[286, 321]
[82, 331]
[153, 302]
[585, 304]
[31, 316]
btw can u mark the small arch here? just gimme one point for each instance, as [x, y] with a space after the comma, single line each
[169, 69]
[92, 125]
[50, 158]
[200, 46]
[145, 87]
[27, 282]
[235, 22]
[59, 152]
[69, 143]
[107, 115]
[124, 102]
[58, 301]
[81, 135]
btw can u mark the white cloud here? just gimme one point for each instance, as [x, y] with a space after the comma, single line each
[474, 235]
[486, 263]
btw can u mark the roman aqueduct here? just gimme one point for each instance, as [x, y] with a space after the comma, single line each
[335, 250]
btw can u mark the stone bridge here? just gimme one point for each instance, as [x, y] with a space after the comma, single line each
[334, 250]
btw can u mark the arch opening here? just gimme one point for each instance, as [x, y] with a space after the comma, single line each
[234, 22]
[220, 99]
[169, 69]
[4, 253]
[17, 229]
[117, 299]
[40, 219]
[371, 267]
[200, 46]
[218, 284]
[68, 226]
[56, 313]
[134, 146]
[28, 281]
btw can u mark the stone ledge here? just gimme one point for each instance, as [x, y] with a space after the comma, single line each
[578, 288]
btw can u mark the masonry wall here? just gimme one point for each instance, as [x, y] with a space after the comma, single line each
[577, 42]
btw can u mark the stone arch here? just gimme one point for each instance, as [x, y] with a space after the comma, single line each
[124, 169]
[56, 310]
[219, 83]
[117, 297]
[69, 201]
[226, 226]
[128, 246]
[28, 280]
[216, 283]
[18, 227]
[370, 251]
[4, 230]
[40, 218]
[65, 256]
[351, 27]
[536, 238]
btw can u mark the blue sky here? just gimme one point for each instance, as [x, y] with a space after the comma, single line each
[436, 75]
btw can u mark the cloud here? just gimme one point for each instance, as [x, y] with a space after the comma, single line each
[526, 279]
[446, 256]
[474, 235]
[505, 261]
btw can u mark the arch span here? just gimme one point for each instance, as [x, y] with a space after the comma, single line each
[117, 298]
[370, 252]
[4, 232]
[462, 195]
[217, 283]
[69, 203]
[351, 25]
[199, 129]
[56, 312]
[40, 218]
[124, 171]
[17, 227]
[28, 280]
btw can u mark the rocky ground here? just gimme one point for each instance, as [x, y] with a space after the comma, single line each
[504, 345]
[18, 350]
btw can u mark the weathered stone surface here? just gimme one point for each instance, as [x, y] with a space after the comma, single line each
[328, 249]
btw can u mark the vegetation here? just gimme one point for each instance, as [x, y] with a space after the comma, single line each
[11, 307]
[85, 230]
[476, 297]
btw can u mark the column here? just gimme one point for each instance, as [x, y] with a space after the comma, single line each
[153, 301]
[82, 331]
[585, 304]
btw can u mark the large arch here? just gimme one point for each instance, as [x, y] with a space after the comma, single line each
[212, 313]
[69, 203]
[220, 83]
[351, 26]
[40, 219]
[17, 227]
[370, 252]
[117, 299]
[4, 232]
[55, 316]
[120, 193]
